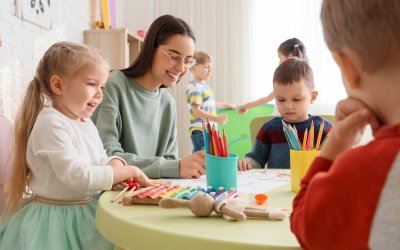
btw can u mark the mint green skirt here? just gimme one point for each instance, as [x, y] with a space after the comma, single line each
[62, 227]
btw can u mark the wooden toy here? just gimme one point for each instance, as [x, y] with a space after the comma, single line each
[152, 195]
[232, 209]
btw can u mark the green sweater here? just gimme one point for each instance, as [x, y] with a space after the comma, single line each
[139, 126]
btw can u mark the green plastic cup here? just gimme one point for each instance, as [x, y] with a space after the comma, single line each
[222, 171]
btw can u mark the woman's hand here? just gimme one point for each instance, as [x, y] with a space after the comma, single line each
[192, 166]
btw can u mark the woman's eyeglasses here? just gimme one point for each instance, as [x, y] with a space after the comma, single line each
[174, 59]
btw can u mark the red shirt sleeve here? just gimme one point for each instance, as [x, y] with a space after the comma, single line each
[337, 201]
[297, 218]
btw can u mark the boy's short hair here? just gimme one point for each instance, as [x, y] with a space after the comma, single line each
[294, 70]
[202, 57]
[369, 28]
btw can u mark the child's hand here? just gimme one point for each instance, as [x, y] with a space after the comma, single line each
[351, 105]
[122, 183]
[222, 119]
[351, 118]
[244, 165]
[123, 173]
[242, 110]
[140, 177]
[230, 106]
[154, 183]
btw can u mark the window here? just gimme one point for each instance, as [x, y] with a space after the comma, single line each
[271, 23]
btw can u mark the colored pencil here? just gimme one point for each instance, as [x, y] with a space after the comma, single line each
[321, 129]
[312, 136]
[210, 139]
[206, 139]
[215, 141]
[225, 143]
[285, 132]
[221, 146]
[305, 139]
[294, 138]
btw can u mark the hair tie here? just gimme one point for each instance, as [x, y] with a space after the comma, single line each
[36, 82]
[36, 79]
[296, 45]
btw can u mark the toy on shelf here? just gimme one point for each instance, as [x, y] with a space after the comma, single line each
[232, 209]
[141, 33]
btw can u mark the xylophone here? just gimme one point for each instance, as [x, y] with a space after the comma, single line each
[153, 195]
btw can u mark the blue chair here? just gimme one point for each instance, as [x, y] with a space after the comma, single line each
[256, 124]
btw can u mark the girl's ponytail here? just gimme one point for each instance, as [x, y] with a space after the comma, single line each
[31, 105]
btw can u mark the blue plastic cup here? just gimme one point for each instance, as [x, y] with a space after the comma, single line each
[222, 171]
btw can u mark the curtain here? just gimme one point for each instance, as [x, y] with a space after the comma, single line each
[271, 23]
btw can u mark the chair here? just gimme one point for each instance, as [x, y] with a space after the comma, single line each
[256, 124]
[6, 142]
[328, 117]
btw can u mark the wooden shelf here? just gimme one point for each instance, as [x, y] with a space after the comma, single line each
[118, 45]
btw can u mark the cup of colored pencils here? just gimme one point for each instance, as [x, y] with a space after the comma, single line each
[221, 166]
[302, 152]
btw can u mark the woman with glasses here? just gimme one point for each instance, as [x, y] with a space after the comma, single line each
[137, 118]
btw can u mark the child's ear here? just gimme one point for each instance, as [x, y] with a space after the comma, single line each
[56, 85]
[314, 95]
[348, 66]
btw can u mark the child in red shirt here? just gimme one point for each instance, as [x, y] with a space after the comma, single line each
[350, 197]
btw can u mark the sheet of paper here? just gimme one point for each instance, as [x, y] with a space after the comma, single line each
[252, 182]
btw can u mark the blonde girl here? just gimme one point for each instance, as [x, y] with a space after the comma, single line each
[59, 157]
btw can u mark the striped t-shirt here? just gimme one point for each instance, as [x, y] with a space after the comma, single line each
[199, 94]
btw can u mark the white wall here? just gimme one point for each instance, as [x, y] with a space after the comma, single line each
[24, 43]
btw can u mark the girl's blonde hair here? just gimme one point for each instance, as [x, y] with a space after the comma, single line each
[63, 59]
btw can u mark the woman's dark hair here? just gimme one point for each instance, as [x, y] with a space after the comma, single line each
[293, 47]
[159, 32]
